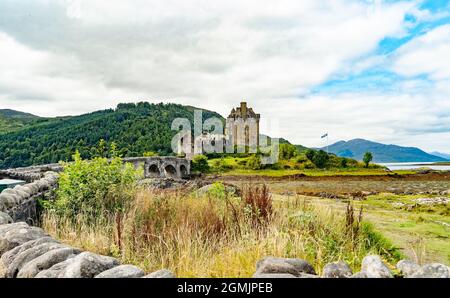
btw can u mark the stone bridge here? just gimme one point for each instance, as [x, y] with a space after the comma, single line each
[162, 167]
[20, 202]
[154, 167]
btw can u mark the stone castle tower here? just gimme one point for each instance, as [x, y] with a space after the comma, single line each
[242, 127]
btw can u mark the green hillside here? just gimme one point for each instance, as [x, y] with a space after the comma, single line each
[11, 120]
[135, 128]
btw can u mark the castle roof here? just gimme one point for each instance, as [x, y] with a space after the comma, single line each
[243, 112]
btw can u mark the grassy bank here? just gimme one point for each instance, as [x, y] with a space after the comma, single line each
[217, 235]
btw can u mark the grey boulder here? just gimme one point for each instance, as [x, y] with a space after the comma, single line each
[122, 271]
[55, 270]
[46, 261]
[407, 267]
[337, 270]
[295, 267]
[434, 270]
[360, 274]
[5, 218]
[88, 265]
[163, 273]
[374, 267]
[12, 235]
[28, 255]
[9, 200]
[9, 256]
[273, 275]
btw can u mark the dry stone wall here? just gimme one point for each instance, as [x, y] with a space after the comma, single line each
[20, 202]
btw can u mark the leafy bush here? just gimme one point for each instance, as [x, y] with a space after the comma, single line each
[150, 154]
[217, 190]
[200, 164]
[94, 187]
[254, 162]
[287, 151]
[320, 159]
[310, 154]
[221, 165]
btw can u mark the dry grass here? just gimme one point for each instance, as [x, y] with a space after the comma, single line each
[219, 237]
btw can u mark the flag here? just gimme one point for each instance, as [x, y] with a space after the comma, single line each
[324, 136]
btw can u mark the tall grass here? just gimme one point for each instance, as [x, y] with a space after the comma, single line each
[219, 236]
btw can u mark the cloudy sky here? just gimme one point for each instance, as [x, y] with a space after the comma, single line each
[372, 69]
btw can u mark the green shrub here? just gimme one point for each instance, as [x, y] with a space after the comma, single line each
[287, 151]
[217, 190]
[94, 187]
[254, 162]
[320, 159]
[150, 154]
[221, 165]
[200, 164]
[301, 159]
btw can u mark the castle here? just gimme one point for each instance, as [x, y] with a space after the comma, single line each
[242, 127]
[241, 134]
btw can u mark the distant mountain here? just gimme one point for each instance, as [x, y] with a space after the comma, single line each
[12, 114]
[440, 154]
[381, 153]
[11, 120]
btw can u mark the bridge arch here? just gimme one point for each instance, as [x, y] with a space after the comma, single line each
[159, 166]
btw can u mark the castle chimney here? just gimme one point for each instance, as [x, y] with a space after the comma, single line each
[243, 109]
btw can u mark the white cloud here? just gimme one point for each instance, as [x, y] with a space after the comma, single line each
[428, 54]
[78, 56]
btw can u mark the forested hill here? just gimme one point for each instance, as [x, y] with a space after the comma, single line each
[135, 128]
[11, 120]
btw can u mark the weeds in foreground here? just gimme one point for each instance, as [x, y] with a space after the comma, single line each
[220, 237]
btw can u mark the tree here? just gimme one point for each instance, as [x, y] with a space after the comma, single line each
[320, 159]
[254, 162]
[367, 158]
[287, 151]
[200, 164]
[310, 154]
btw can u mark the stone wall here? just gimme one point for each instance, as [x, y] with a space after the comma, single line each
[20, 202]
[29, 252]
[30, 174]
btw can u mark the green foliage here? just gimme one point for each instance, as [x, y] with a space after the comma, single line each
[11, 120]
[287, 151]
[320, 159]
[220, 165]
[344, 162]
[149, 154]
[254, 162]
[367, 158]
[217, 190]
[94, 187]
[376, 242]
[200, 164]
[134, 128]
[310, 154]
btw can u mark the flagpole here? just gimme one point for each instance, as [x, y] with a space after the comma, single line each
[327, 143]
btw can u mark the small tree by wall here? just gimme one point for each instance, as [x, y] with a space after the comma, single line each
[367, 158]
